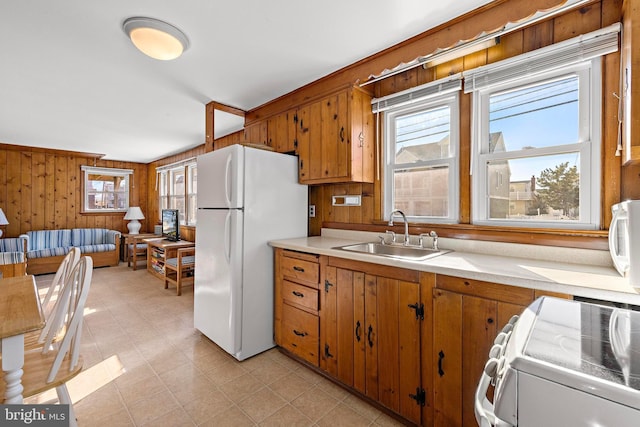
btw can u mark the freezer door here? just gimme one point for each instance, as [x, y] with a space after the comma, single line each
[220, 176]
[218, 279]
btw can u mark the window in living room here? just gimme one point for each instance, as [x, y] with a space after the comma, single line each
[105, 189]
[177, 189]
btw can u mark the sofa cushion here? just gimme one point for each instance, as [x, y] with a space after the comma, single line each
[12, 244]
[11, 258]
[88, 236]
[105, 247]
[42, 253]
[48, 239]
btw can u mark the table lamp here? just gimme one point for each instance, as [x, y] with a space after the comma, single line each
[133, 215]
[3, 220]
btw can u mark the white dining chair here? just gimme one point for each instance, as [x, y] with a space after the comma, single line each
[58, 361]
[35, 339]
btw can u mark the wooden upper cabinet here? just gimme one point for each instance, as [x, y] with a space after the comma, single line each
[256, 133]
[281, 131]
[630, 75]
[335, 138]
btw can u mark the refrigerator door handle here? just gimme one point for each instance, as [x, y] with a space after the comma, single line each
[227, 237]
[227, 170]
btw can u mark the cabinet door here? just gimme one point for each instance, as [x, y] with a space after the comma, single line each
[464, 329]
[338, 334]
[304, 143]
[281, 131]
[370, 334]
[398, 346]
[256, 133]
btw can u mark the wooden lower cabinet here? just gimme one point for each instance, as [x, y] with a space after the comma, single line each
[370, 323]
[296, 321]
[468, 314]
[414, 342]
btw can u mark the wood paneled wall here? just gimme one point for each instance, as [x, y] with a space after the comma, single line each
[617, 182]
[42, 190]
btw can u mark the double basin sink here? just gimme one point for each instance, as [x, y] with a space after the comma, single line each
[410, 253]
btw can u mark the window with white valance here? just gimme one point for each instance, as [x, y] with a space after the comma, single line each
[105, 189]
[177, 189]
[536, 135]
[421, 151]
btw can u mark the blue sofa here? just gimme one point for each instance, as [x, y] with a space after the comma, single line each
[47, 248]
[13, 256]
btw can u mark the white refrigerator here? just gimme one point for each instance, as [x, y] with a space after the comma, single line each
[246, 197]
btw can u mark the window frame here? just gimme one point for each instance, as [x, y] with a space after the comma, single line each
[588, 146]
[450, 99]
[165, 187]
[89, 170]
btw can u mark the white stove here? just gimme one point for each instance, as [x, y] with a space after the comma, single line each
[564, 363]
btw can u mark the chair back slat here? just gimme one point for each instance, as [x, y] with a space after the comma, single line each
[69, 316]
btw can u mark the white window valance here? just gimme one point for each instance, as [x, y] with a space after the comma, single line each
[181, 163]
[549, 58]
[419, 93]
[107, 171]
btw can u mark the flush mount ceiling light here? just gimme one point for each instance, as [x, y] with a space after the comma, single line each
[156, 38]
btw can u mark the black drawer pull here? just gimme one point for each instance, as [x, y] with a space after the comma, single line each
[300, 334]
[358, 331]
[369, 333]
[300, 269]
[298, 294]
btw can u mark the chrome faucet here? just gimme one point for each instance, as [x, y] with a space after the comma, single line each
[406, 225]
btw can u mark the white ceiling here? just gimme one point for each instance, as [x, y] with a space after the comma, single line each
[70, 79]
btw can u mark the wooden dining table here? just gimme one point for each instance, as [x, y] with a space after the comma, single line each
[20, 312]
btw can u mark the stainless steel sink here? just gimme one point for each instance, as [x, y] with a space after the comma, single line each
[413, 253]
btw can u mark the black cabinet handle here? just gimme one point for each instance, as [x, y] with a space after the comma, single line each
[298, 294]
[440, 357]
[358, 331]
[342, 134]
[300, 269]
[327, 354]
[369, 336]
[300, 334]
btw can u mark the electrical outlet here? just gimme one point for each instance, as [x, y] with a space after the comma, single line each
[312, 211]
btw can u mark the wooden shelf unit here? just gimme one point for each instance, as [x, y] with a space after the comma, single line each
[159, 251]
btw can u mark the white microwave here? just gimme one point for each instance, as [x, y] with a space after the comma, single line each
[624, 240]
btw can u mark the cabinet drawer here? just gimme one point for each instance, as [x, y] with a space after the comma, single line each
[493, 291]
[300, 295]
[300, 333]
[300, 270]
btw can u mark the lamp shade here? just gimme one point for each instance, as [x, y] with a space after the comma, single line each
[3, 218]
[133, 215]
[155, 38]
[134, 212]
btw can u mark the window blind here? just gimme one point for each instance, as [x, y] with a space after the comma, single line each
[418, 93]
[568, 52]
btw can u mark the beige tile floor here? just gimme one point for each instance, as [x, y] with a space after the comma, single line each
[145, 365]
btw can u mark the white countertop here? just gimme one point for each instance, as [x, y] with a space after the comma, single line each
[586, 280]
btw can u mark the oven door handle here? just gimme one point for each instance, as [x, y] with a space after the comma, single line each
[483, 407]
